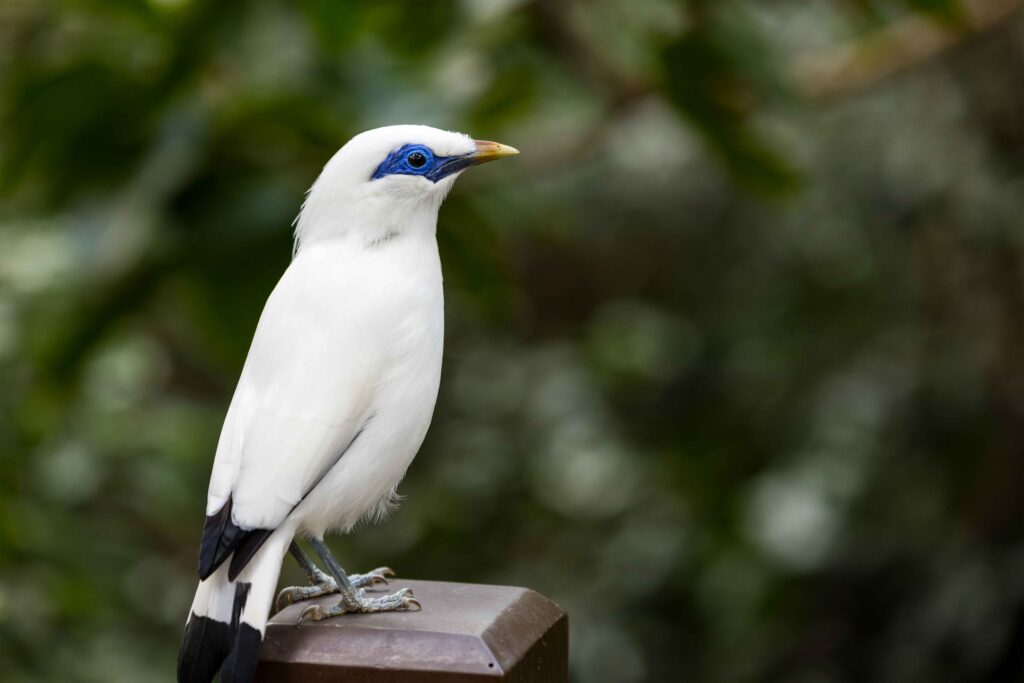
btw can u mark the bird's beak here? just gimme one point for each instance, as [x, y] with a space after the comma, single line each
[490, 151]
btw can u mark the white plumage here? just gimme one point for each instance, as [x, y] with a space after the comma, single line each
[340, 383]
[354, 328]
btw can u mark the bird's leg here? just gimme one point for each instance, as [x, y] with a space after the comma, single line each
[322, 583]
[312, 571]
[377, 577]
[353, 598]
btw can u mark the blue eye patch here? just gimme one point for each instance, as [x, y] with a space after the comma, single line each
[420, 160]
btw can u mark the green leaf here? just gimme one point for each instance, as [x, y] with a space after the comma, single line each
[705, 84]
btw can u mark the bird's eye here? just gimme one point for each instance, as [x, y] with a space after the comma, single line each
[417, 159]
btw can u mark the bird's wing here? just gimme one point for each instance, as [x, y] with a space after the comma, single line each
[304, 394]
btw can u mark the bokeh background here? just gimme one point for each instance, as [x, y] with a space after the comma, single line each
[734, 360]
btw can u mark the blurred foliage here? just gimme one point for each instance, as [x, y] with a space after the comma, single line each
[733, 373]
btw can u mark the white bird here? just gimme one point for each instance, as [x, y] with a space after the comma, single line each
[336, 393]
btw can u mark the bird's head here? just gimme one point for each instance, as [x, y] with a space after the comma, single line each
[388, 182]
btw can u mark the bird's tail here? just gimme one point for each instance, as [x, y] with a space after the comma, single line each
[228, 618]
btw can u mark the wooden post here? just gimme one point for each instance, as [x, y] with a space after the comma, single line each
[464, 633]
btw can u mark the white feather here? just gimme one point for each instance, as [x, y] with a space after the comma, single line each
[340, 383]
[348, 348]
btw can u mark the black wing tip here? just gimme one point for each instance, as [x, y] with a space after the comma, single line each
[247, 546]
[222, 537]
[218, 531]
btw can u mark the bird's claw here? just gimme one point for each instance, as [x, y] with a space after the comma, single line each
[314, 612]
[325, 585]
[294, 594]
[359, 602]
[372, 579]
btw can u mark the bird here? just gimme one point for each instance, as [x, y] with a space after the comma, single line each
[336, 394]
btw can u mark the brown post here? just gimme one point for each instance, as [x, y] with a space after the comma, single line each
[464, 633]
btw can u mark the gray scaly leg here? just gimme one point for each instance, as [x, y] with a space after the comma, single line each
[353, 598]
[322, 583]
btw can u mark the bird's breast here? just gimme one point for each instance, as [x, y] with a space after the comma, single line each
[415, 335]
[390, 299]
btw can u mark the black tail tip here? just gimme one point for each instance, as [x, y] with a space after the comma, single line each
[203, 649]
[210, 645]
[208, 648]
[240, 665]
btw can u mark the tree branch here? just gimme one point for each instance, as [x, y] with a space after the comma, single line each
[900, 46]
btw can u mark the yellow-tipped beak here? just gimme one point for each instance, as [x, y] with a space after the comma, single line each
[490, 151]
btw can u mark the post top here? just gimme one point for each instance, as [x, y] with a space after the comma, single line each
[465, 632]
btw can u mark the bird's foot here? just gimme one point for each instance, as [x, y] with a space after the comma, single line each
[372, 579]
[324, 584]
[358, 601]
